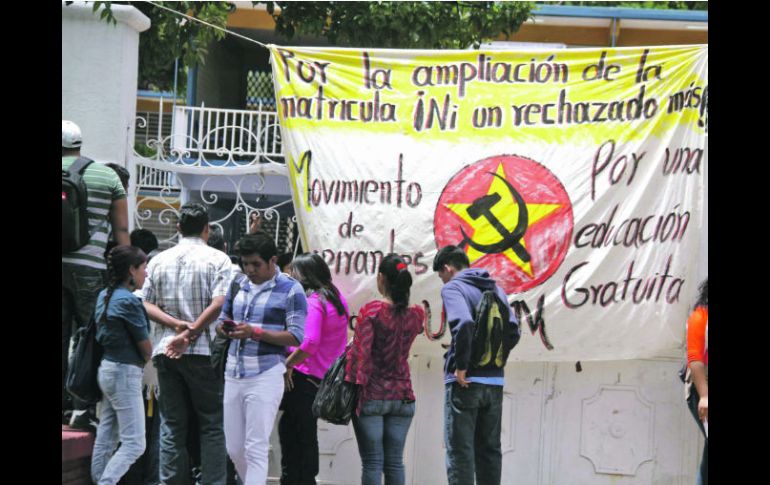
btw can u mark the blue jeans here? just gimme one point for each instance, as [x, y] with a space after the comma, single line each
[702, 478]
[381, 434]
[144, 471]
[190, 385]
[121, 420]
[472, 418]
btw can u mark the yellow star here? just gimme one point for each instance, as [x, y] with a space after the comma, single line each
[506, 211]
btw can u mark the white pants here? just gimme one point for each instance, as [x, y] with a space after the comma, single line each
[250, 407]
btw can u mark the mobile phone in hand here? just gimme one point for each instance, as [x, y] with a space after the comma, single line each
[228, 326]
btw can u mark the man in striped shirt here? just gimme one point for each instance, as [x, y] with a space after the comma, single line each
[184, 292]
[83, 270]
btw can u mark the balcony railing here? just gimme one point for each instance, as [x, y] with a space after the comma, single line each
[221, 158]
[213, 137]
[153, 178]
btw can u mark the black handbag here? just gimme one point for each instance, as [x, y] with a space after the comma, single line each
[219, 345]
[683, 372]
[219, 348]
[336, 398]
[83, 366]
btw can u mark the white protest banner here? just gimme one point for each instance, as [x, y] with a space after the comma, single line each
[574, 176]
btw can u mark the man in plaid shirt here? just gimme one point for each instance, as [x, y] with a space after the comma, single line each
[266, 315]
[184, 292]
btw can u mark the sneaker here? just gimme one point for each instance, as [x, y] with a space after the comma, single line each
[84, 419]
[66, 416]
[196, 475]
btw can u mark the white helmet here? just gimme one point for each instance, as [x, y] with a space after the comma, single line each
[70, 135]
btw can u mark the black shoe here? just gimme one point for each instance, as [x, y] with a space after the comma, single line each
[84, 419]
[66, 416]
[196, 475]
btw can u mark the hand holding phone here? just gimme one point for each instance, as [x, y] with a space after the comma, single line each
[228, 326]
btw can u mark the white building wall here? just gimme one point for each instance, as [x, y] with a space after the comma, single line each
[99, 77]
[612, 423]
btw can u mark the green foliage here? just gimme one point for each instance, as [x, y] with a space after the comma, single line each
[426, 25]
[145, 151]
[647, 5]
[170, 37]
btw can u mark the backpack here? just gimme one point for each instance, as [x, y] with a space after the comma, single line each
[493, 335]
[74, 207]
[220, 344]
[83, 366]
[336, 398]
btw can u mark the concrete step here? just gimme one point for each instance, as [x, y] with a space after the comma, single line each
[76, 448]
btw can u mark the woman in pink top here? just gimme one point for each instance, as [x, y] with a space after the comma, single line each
[325, 337]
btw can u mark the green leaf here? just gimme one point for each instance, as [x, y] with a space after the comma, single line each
[401, 24]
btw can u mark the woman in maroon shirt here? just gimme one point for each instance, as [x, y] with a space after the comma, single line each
[377, 363]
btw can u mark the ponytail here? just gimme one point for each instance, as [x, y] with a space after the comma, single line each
[112, 283]
[398, 280]
[120, 260]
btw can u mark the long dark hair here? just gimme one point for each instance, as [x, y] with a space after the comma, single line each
[397, 279]
[119, 261]
[703, 294]
[314, 275]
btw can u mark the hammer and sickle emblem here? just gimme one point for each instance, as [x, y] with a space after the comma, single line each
[510, 239]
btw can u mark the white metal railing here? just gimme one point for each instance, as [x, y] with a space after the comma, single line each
[151, 125]
[218, 157]
[235, 137]
[153, 178]
[214, 138]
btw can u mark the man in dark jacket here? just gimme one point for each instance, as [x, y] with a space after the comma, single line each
[473, 403]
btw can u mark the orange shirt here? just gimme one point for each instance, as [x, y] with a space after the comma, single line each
[697, 336]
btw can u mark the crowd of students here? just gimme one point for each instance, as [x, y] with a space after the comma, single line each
[284, 332]
[285, 322]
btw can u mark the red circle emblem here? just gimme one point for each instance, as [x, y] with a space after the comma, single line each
[512, 217]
